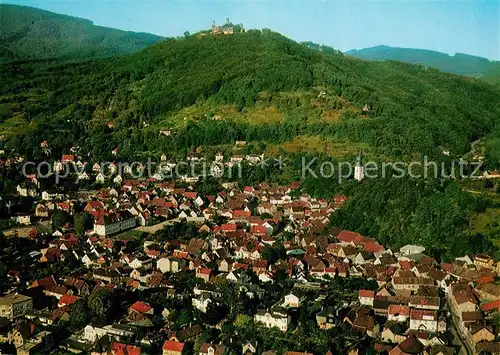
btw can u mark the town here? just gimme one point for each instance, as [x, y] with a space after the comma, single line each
[150, 266]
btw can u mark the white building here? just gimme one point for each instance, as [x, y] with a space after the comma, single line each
[114, 223]
[421, 319]
[359, 170]
[411, 249]
[275, 317]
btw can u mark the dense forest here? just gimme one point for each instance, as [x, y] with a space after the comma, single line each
[458, 64]
[30, 33]
[412, 110]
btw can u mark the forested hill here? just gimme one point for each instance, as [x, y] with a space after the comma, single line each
[30, 33]
[264, 87]
[462, 64]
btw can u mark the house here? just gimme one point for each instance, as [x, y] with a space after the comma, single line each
[142, 262]
[366, 297]
[15, 305]
[26, 190]
[462, 299]
[41, 210]
[170, 264]
[211, 349]
[411, 283]
[483, 261]
[172, 348]
[421, 319]
[394, 332]
[488, 291]
[411, 345]
[23, 219]
[325, 319]
[481, 333]
[201, 302]
[114, 222]
[363, 322]
[248, 349]
[141, 307]
[67, 300]
[398, 313]
[92, 333]
[293, 299]
[274, 317]
[411, 250]
[203, 273]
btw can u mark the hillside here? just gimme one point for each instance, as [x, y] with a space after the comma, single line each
[30, 33]
[265, 88]
[462, 64]
[283, 98]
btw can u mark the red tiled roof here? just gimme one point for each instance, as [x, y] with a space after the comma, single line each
[373, 247]
[491, 306]
[258, 229]
[190, 194]
[486, 279]
[204, 271]
[46, 283]
[421, 313]
[69, 157]
[141, 307]
[401, 310]
[367, 293]
[123, 349]
[67, 300]
[241, 213]
[348, 236]
[173, 346]
[228, 227]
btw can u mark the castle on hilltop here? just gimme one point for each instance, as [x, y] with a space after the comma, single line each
[227, 29]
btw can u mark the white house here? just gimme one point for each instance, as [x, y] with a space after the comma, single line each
[173, 265]
[142, 262]
[274, 317]
[293, 300]
[366, 297]
[92, 334]
[100, 178]
[411, 249]
[201, 302]
[426, 320]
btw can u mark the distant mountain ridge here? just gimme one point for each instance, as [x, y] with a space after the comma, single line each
[30, 33]
[463, 64]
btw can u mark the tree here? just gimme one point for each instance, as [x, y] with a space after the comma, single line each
[3, 241]
[79, 316]
[59, 219]
[242, 321]
[101, 304]
[82, 223]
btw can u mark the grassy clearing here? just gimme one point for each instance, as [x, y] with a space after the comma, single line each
[486, 221]
[313, 144]
[15, 125]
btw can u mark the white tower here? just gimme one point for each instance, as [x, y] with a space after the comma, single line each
[359, 170]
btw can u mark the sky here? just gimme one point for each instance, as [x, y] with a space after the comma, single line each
[450, 26]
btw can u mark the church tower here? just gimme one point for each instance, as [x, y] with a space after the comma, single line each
[359, 170]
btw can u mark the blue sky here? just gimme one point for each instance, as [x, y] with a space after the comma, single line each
[470, 26]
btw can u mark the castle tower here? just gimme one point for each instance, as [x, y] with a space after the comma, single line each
[359, 170]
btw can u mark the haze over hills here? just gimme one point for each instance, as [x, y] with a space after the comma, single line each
[459, 63]
[31, 33]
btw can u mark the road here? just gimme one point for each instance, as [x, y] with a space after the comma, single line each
[466, 349]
